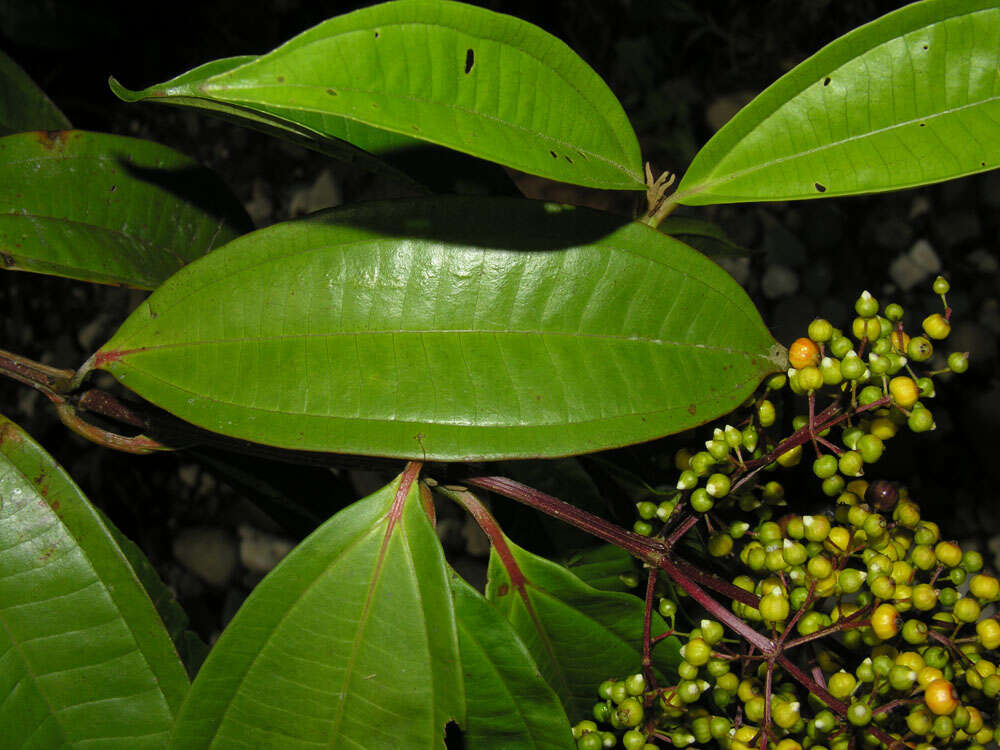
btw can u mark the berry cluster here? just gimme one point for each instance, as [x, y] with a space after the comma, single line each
[857, 625]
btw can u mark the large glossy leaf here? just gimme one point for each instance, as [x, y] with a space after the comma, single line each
[385, 77]
[108, 208]
[191, 649]
[909, 99]
[509, 704]
[24, 106]
[350, 642]
[84, 659]
[400, 330]
[579, 636]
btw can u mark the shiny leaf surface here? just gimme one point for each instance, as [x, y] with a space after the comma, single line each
[85, 660]
[350, 642]
[108, 208]
[910, 99]
[386, 77]
[578, 636]
[24, 106]
[508, 703]
[400, 329]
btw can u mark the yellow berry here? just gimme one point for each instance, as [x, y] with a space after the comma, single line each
[885, 621]
[936, 326]
[984, 586]
[904, 391]
[988, 631]
[900, 341]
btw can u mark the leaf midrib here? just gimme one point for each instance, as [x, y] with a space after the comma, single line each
[503, 43]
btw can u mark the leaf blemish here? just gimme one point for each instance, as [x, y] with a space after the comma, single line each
[281, 79]
[331, 92]
[470, 60]
[820, 188]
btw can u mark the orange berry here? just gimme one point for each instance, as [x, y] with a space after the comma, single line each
[803, 353]
[940, 697]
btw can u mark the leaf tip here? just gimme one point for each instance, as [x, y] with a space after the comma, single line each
[126, 95]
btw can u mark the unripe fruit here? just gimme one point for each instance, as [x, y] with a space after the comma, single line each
[885, 621]
[870, 448]
[941, 285]
[904, 391]
[919, 349]
[920, 420]
[936, 326]
[774, 607]
[820, 330]
[866, 305]
[984, 587]
[810, 378]
[958, 362]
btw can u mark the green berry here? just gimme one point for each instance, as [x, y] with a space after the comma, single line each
[718, 485]
[629, 713]
[920, 420]
[869, 395]
[919, 349]
[852, 367]
[941, 285]
[825, 466]
[866, 306]
[820, 330]
[850, 463]
[701, 501]
[893, 312]
[840, 346]
[958, 362]
[926, 387]
[635, 684]
[870, 447]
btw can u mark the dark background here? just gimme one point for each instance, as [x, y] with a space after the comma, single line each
[677, 66]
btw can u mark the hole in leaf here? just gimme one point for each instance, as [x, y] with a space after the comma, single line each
[982, 164]
[923, 124]
[826, 81]
[553, 154]
[568, 159]
[470, 60]
[376, 35]
[925, 46]
[820, 188]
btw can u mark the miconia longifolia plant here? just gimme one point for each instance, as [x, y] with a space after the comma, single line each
[438, 332]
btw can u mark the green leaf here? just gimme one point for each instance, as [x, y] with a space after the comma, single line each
[191, 649]
[508, 702]
[602, 567]
[24, 106]
[350, 642]
[108, 208]
[84, 659]
[906, 100]
[398, 329]
[463, 77]
[578, 636]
